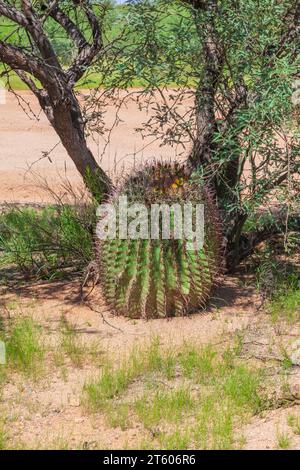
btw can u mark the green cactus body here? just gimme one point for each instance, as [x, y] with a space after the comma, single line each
[158, 293]
[155, 278]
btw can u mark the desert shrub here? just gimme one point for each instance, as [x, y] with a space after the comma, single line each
[46, 242]
[278, 281]
[24, 345]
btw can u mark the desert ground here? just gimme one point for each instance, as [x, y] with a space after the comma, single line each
[46, 407]
[50, 404]
[26, 137]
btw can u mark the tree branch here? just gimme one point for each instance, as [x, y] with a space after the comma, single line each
[88, 52]
[69, 26]
[17, 59]
[35, 29]
[13, 14]
[41, 94]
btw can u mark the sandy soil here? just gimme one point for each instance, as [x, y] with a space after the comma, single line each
[48, 413]
[23, 141]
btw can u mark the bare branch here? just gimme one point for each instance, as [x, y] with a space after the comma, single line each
[16, 59]
[13, 14]
[35, 29]
[69, 26]
[88, 52]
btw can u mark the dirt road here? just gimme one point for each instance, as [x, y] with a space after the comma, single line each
[24, 141]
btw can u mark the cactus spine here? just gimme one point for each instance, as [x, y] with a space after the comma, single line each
[154, 278]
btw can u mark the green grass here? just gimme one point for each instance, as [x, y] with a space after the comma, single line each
[46, 243]
[175, 440]
[72, 347]
[283, 441]
[282, 287]
[118, 415]
[294, 423]
[285, 306]
[70, 344]
[241, 386]
[2, 377]
[115, 380]
[198, 363]
[214, 427]
[200, 404]
[3, 436]
[24, 346]
[178, 440]
[164, 405]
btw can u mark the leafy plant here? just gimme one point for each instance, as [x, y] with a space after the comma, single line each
[24, 346]
[46, 242]
[2, 436]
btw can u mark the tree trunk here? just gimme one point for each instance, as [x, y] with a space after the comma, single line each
[66, 118]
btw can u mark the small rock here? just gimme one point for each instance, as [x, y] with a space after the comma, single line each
[79, 420]
[295, 353]
[295, 390]
[74, 402]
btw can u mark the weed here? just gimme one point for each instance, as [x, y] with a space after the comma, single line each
[70, 344]
[24, 347]
[283, 441]
[2, 378]
[214, 424]
[110, 383]
[294, 423]
[242, 387]
[198, 363]
[45, 242]
[115, 380]
[167, 406]
[176, 440]
[225, 393]
[118, 415]
[285, 305]
[286, 363]
[3, 437]
[280, 288]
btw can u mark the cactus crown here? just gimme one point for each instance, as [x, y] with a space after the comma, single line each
[151, 278]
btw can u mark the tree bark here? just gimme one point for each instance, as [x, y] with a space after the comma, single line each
[67, 121]
[205, 95]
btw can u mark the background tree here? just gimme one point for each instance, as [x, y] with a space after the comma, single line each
[217, 75]
[50, 45]
[233, 64]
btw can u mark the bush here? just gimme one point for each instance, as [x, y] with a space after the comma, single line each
[47, 241]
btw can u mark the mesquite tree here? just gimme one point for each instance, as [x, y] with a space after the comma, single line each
[217, 74]
[29, 49]
[224, 72]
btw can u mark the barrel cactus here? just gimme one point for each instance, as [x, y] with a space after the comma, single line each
[153, 278]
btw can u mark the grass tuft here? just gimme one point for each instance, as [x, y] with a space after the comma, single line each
[3, 437]
[24, 347]
[164, 405]
[70, 344]
[46, 243]
[115, 380]
[294, 423]
[205, 397]
[283, 441]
